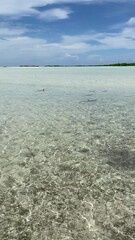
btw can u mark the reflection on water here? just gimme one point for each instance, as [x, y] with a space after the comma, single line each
[67, 154]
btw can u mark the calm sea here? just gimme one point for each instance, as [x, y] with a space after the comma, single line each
[67, 150]
[39, 105]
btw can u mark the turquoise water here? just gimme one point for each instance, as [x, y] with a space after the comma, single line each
[82, 114]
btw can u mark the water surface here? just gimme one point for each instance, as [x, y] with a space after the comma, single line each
[67, 154]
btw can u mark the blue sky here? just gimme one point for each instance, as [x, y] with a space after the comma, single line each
[66, 32]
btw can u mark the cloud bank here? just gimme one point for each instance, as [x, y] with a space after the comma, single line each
[17, 48]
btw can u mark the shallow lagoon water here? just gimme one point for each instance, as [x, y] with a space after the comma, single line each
[67, 154]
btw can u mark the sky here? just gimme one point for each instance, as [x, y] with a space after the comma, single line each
[67, 32]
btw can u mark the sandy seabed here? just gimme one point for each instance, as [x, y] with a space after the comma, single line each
[67, 155]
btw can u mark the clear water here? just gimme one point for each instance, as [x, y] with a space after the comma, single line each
[26, 112]
[82, 114]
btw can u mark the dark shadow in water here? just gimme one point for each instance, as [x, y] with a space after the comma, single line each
[89, 100]
[41, 90]
[122, 158]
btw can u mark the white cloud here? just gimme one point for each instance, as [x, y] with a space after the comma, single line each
[55, 14]
[129, 32]
[10, 31]
[131, 21]
[117, 42]
[15, 7]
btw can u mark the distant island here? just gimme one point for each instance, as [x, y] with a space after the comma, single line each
[121, 64]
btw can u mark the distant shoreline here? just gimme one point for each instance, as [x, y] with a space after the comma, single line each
[103, 65]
